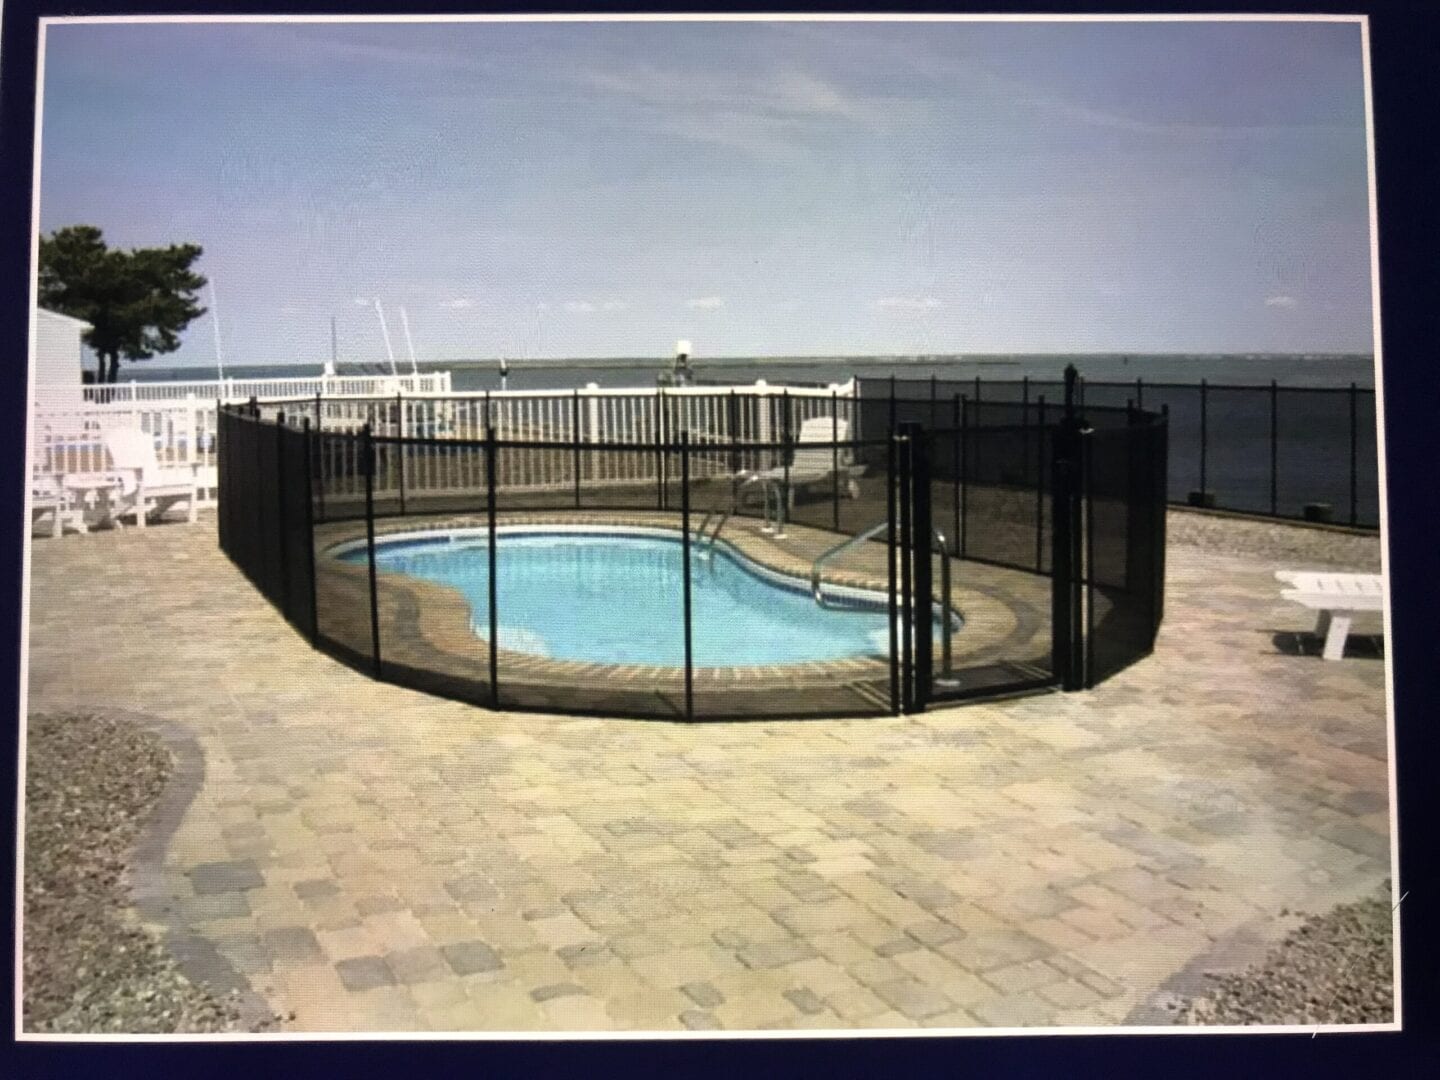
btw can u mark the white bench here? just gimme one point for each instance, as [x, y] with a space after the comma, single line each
[1337, 597]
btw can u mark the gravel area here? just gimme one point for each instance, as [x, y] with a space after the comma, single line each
[1334, 968]
[89, 965]
[1296, 546]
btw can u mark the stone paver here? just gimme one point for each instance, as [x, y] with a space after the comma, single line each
[374, 859]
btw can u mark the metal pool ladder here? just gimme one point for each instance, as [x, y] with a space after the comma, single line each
[702, 546]
[938, 546]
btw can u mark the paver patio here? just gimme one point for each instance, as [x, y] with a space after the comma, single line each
[374, 859]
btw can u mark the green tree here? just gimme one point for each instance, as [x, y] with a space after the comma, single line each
[137, 302]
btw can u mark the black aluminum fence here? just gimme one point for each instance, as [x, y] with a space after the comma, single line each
[962, 561]
[1276, 451]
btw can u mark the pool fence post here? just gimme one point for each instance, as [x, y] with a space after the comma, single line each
[310, 532]
[575, 435]
[955, 460]
[1132, 546]
[890, 544]
[1025, 426]
[1139, 392]
[1204, 420]
[259, 569]
[835, 459]
[922, 607]
[733, 422]
[490, 449]
[221, 526]
[1354, 446]
[367, 453]
[1063, 569]
[280, 523]
[1077, 538]
[685, 571]
[933, 392]
[907, 583]
[399, 447]
[892, 404]
[963, 496]
[1040, 484]
[782, 501]
[1160, 498]
[660, 432]
[1274, 447]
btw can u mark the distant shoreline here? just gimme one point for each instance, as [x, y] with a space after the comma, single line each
[698, 363]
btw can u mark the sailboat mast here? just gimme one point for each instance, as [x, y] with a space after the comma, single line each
[409, 344]
[385, 332]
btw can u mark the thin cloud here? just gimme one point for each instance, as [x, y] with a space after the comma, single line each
[760, 115]
[305, 46]
[907, 303]
[974, 75]
[706, 303]
[460, 303]
[789, 92]
[1280, 301]
[588, 306]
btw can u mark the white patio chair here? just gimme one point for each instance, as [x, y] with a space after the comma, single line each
[48, 495]
[813, 464]
[148, 488]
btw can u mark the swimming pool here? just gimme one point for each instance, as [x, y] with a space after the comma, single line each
[613, 597]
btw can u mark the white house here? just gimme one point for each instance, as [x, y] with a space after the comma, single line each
[57, 358]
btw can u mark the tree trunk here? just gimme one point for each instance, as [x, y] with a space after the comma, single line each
[112, 372]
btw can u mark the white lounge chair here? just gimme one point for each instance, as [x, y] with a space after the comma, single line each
[148, 489]
[1337, 597]
[812, 464]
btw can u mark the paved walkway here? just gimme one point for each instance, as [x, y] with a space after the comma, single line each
[377, 860]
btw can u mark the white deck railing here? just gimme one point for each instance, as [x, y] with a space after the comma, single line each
[181, 417]
[213, 390]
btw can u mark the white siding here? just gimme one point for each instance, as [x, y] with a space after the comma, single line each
[57, 358]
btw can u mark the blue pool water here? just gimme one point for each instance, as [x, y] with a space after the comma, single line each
[616, 599]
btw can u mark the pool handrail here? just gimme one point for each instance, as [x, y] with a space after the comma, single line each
[836, 551]
[939, 543]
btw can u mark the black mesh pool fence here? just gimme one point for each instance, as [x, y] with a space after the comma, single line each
[1277, 451]
[800, 565]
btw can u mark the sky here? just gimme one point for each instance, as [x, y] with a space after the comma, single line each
[762, 189]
